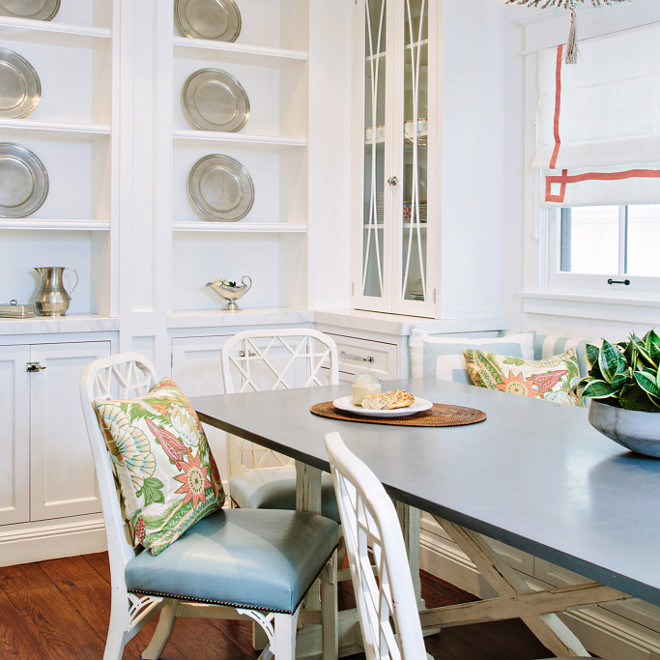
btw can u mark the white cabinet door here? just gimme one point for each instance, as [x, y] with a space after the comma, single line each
[394, 149]
[15, 436]
[63, 481]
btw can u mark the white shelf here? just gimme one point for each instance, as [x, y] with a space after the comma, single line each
[52, 34]
[243, 140]
[67, 225]
[222, 51]
[240, 227]
[47, 129]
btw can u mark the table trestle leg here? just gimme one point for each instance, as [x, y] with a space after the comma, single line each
[537, 609]
[410, 519]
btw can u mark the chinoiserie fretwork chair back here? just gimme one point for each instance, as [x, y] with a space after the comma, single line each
[386, 602]
[121, 376]
[257, 565]
[267, 359]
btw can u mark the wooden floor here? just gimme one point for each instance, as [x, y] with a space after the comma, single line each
[60, 609]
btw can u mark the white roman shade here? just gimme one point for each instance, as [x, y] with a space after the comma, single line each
[598, 123]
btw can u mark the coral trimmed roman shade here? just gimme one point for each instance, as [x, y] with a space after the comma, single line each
[598, 122]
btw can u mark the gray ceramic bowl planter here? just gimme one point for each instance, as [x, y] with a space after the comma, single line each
[634, 429]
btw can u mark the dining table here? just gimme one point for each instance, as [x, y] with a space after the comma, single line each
[532, 474]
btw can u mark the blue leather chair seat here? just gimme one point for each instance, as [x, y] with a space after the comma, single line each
[275, 488]
[253, 558]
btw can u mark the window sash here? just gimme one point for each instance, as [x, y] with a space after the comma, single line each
[558, 280]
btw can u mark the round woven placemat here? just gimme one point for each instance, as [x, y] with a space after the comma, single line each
[441, 414]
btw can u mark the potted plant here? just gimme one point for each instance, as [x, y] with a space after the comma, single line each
[623, 382]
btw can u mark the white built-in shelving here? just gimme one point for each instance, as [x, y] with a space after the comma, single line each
[72, 132]
[270, 60]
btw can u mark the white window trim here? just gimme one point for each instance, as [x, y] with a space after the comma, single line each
[537, 295]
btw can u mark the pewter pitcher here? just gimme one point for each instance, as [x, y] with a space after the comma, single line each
[52, 299]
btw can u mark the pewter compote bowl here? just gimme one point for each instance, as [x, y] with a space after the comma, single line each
[231, 293]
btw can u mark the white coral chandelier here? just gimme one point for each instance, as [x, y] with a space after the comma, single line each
[571, 48]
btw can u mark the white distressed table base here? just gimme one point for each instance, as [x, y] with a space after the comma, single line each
[537, 609]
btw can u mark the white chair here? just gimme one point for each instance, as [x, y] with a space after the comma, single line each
[231, 564]
[268, 359]
[386, 603]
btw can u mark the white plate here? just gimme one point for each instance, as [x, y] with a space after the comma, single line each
[346, 404]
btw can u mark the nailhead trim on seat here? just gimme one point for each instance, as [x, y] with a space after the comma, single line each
[210, 601]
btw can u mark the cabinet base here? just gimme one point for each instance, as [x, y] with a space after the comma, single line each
[52, 539]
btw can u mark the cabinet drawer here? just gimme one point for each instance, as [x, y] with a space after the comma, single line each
[365, 356]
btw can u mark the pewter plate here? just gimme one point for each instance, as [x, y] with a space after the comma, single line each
[207, 19]
[214, 100]
[41, 10]
[220, 188]
[23, 181]
[20, 87]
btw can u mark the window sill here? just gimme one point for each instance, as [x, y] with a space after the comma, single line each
[604, 308]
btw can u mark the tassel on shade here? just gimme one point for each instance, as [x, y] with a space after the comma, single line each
[571, 47]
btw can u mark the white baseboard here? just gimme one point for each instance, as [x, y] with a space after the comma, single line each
[603, 633]
[51, 539]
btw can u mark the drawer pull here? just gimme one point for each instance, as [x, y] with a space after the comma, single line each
[359, 358]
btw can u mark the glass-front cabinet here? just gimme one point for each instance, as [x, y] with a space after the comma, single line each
[393, 261]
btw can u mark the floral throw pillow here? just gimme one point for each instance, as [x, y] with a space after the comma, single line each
[161, 458]
[551, 379]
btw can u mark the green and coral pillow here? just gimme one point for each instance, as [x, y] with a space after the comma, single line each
[551, 379]
[161, 458]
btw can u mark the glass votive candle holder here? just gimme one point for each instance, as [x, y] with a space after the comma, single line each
[364, 384]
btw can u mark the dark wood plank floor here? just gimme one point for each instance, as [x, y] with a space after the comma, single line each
[59, 609]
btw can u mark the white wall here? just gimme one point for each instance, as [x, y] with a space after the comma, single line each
[329, 155]
[518, 230]
[470, 193]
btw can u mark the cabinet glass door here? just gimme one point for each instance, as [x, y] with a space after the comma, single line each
[373, 239]
[395, 256]
[415, 144]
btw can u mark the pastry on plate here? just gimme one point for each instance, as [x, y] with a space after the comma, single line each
[388, 400]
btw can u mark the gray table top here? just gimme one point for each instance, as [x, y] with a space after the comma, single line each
[534, 475]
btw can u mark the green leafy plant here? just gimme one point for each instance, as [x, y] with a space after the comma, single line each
[625, 374]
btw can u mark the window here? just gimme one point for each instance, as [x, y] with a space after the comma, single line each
[598, 170]
[605, 247]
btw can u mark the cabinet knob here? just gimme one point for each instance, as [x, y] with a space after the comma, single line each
[393, 180]
[31, 367]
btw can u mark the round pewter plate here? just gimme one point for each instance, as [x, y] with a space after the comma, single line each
[23, 181]
[214, 100]
[41, 10]
[20, 87]
[220, 188]
[207, 19]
